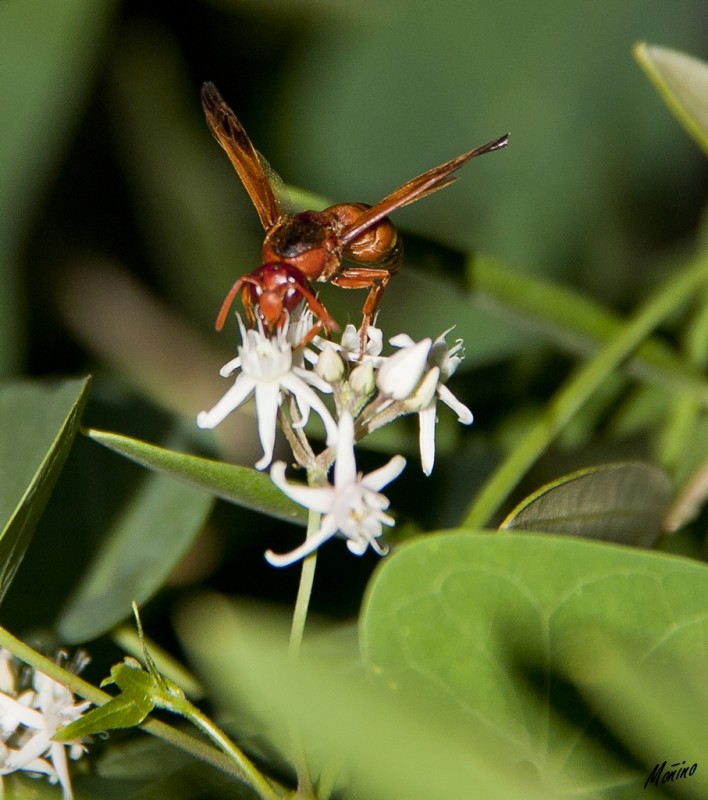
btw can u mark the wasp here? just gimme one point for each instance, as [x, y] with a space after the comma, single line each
[352, 245]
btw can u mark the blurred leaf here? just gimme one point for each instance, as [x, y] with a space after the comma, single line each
[171, 773]
[198, 221]
[385, 749]
[580, 385]
[241, 485]
[145, 543]
[480, 623]
[582, 139]
[682, 81]
[47, 54]
[690, 499]
[576, 323]
[621, 503]
[38, 422]
[655, 709]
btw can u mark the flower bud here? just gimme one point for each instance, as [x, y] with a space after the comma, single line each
[362, 379]
[402, 372]
[330, 366]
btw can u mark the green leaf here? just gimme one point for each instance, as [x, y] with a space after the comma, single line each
[48, 50]
[241, 485]
[38, 422]
[128, 709]
[120, 712]
[622, 503]
[142, 548]
[480, 623]
[682, 81]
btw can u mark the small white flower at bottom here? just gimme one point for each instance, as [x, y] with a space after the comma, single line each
[267, 370]
[352, 506]
[30, 720]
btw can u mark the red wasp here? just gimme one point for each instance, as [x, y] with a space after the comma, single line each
[314, 245]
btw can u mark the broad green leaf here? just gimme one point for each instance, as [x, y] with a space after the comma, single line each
[38, 422]
[241, 485]
[682, 81]
[144, 545]
[622, 503]
[481, 624]
[48, 50]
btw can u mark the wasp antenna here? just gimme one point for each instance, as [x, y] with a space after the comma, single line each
[226, 305]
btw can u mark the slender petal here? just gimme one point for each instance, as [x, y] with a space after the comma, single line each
[384, 475]
[267, 402]
[307, 547]
[426, 420]
[313, 497]
[233, 398]
[464, 415]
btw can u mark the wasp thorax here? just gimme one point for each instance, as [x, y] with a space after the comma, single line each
[296, 235]
[304, 241]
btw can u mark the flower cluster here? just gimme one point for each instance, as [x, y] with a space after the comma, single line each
[32, 708]
[367, 390]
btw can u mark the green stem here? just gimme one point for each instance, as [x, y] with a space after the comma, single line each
[297, 631]
[248, 770]
[304, 592]
[578, 388]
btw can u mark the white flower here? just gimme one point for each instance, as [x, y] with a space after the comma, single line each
[352, 506]
[267, 370]
[29, 721]
[442, 362]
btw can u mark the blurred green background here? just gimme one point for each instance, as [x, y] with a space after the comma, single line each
[122, 224]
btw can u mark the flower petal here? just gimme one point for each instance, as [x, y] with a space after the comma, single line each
[382, 476]
[464, 415]
[427, 419]
[308, 546]
[233, 398]
[267, 402]
[316, 498]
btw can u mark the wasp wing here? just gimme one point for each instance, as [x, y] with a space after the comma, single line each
[431, 181]
[253, 170]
